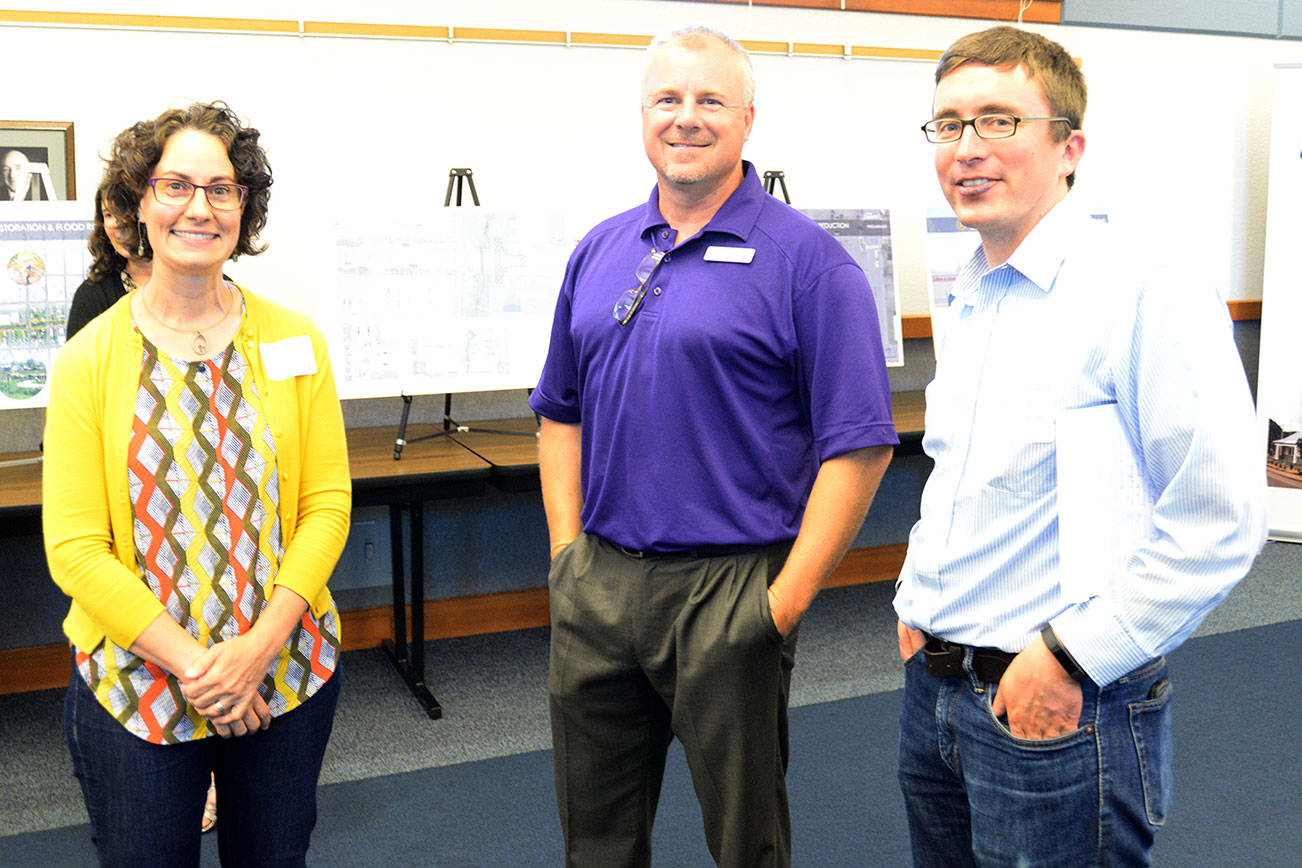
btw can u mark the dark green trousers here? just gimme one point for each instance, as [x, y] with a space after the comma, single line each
[647, 649]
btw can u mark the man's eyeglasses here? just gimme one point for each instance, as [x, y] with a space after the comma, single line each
[993, 126]
[225, 196]
[631, 300]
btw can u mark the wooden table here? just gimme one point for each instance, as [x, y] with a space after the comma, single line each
[909, 410]
[460, 462]
[440, 462]
[510, 446]
[457, 463]
[431, 468]
[20, 494]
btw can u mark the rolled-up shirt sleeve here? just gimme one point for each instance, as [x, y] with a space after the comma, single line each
[1181, 389]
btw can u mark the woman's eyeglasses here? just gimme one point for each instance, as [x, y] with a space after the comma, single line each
[226, 196]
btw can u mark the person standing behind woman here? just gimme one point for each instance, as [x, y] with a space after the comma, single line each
[115, 269]
[196, 499]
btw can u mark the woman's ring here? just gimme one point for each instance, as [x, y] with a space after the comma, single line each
[221, 707]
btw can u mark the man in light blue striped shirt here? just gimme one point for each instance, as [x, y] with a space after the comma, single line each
[1036, 722]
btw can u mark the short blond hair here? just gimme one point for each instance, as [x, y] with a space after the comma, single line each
[1046, 62]
[696, 36]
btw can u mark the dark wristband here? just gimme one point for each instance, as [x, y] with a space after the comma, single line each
[1061, 654]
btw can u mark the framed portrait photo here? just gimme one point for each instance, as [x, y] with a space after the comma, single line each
[36, 161]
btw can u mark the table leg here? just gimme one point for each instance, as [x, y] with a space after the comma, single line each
[410, 662]
[396, 648]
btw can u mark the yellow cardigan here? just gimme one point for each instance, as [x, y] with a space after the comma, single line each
[87, 515]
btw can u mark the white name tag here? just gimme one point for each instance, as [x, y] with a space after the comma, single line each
[291, 357]
[730, 254]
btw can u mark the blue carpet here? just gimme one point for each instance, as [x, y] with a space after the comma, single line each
[1238, 786]
[502, 812]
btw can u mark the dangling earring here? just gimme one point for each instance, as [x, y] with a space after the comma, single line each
[140, 243]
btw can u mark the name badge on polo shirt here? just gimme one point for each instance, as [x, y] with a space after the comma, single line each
[291, 357]
[742, 255]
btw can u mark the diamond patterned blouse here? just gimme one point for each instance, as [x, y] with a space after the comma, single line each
[205, 494]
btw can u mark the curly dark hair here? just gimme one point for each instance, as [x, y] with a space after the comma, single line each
[137, 150]
[104, 259]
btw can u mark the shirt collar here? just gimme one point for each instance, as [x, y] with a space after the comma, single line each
[1042, 252]
[737, 216]
[1037, 259]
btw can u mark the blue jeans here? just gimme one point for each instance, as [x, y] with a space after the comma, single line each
[145, 800]
[976, 794]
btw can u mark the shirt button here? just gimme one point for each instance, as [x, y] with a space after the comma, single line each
[655, 291]
[664, 233]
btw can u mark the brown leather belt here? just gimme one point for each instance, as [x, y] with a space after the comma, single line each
[945, 660]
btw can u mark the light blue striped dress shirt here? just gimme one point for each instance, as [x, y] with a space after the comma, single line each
[1075, 319]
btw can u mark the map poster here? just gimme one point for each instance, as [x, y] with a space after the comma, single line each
[462, 299]
[43, 252]
[866, 236]
[949, 246]
[459, 301]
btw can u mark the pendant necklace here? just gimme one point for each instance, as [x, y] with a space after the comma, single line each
[198, 343]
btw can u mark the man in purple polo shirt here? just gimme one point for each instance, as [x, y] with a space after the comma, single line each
[716, 419]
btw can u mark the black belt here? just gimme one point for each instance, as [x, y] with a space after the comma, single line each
[698, 553]
[945, 660]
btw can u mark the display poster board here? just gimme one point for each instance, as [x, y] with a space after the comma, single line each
[43, 250]
[949, 245]
[1279, 374]
[461, 301]
[866, 236]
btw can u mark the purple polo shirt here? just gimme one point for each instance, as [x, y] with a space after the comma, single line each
[706, 417]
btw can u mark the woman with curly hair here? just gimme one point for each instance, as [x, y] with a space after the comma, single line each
[114, 271]
[196, 495]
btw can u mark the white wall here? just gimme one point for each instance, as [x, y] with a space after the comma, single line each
[1178, 125]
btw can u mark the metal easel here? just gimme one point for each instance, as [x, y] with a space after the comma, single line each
[776, 176]
[409, 660]
[458, 179]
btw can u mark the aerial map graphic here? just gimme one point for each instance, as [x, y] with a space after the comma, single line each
[43, 248]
